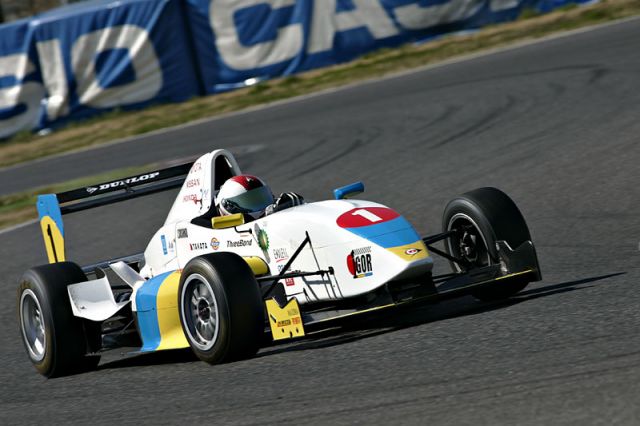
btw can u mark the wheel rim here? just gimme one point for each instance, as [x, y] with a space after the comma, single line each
[200, 311]
[469, 242]
[32, 324]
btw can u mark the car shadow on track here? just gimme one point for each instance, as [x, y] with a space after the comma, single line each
[371, 326]
[404, 318]
[155, 358]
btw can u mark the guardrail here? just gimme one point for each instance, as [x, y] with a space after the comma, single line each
[90, 57]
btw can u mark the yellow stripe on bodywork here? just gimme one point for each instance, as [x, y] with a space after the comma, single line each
[172, 336]
[53, 240]
[257, 265]
[515, 274]
[171, 333]
[401, 251]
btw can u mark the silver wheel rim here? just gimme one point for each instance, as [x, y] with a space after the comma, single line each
[464, 217]
[32, 324]
[199, 312]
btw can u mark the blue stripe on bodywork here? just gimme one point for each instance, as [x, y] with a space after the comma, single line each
[397, 238]
[396, 232]
[47, 205]
[147, 312]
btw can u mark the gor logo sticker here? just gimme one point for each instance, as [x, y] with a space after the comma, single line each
[359, 263]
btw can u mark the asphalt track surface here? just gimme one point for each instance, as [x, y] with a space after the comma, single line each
[554, 124]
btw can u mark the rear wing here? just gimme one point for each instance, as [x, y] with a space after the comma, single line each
[51, 207]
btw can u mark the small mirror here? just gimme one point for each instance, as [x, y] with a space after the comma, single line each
[348, 191]
[222, 222]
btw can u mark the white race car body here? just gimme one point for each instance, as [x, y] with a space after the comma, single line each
[319, 252]
[220, 284]
[366, 244]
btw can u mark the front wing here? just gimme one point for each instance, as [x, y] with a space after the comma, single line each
[514, 267]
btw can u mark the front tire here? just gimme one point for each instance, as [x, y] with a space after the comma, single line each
[221, 309]
[53, 337]
[482, 217]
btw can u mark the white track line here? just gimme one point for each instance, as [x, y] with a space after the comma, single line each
[18, 226]
[456, 60]
[400, 74]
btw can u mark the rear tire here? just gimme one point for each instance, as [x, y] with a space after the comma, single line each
[221, 309]
[484, 216]
[53, 337]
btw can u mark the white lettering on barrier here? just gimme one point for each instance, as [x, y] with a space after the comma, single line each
[22, 93]
[498, 5]
[148, 74]
[416, 17]
[55, 79]
[287, 44]
[326, 22]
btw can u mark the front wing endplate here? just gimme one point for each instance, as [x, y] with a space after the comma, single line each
[285, 322]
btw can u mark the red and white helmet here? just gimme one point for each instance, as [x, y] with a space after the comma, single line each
[244, 194]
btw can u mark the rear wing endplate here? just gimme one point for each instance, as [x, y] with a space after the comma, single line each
[51, 207]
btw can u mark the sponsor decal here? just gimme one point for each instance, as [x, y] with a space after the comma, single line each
[124, 182]
[164, 245]
[263, 239]
[287, 281]
[215, 244]
[183, 233]
[239, 243]
[280, 254]
[293, 311]
[359, 262]
[198, 246]
[412, 251]
[192, 182]
[197, 166]
[192, 198]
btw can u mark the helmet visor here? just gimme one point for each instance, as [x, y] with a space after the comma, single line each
[250, 202]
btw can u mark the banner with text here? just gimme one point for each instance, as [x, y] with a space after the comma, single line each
[98, 55]
[90, 57]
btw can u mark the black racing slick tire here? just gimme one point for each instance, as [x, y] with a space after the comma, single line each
[482, 217]
[54, 338]
[221, 309]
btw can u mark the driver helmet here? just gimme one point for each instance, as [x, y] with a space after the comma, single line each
[244, 194]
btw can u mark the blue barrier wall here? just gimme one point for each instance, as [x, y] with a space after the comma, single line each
[90, 57]
[94, 56]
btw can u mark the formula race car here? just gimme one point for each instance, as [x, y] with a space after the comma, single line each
[225, 286]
